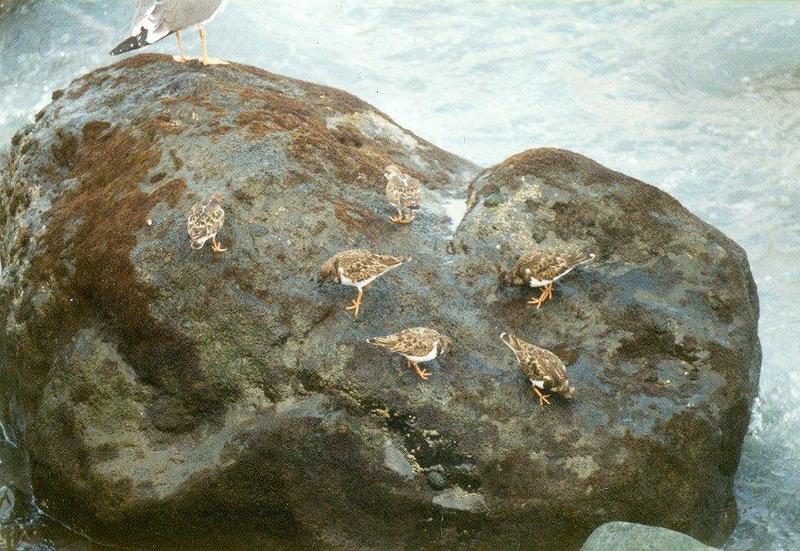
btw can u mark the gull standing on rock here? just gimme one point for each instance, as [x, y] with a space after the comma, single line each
[156, 19]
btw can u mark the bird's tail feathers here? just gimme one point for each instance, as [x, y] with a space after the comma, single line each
[400, 262]
[508, 339]
[586, 257]
[132, 43]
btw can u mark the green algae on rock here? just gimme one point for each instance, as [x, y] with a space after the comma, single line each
[181, 399]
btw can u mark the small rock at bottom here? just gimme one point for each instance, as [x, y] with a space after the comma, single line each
[626, 536]
[6, 503]
[436, 480]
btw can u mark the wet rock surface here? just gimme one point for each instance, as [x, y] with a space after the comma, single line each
[180, 398]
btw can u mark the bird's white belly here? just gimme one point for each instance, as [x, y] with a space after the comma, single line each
[360, 284]
[537, 383]
[540, 282]
[426, 358]
[202, 241]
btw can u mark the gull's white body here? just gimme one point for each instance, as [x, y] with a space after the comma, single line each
[156, 19]
[161, 17]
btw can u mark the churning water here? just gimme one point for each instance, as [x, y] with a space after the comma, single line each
[702, 100]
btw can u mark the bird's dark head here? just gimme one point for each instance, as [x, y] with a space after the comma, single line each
[518, 276]
[445, 345]
[567, 391]
[392, 170]
[328, 271]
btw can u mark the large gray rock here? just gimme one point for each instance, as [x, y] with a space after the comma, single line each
[626, 536]
[179, 398]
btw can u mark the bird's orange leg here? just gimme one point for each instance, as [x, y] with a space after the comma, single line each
[544, 296]
[543, 398]
[356, 306]
[422, 373]
[217, 247]
[409, 218]
[399, 218]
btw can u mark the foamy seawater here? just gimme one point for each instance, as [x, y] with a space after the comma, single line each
[702, 100]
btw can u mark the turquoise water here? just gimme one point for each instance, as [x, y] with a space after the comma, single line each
[700, 100]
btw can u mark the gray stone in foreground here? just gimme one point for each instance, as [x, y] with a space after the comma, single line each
[627, 536]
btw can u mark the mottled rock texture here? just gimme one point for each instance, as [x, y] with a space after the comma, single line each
[625, 536]
[180, 399]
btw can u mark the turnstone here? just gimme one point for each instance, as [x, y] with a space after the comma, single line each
[543, 267]
[417, 344]
[544, 369]
[204, 220]
[359, 268]
[156, 19]
[403, 192]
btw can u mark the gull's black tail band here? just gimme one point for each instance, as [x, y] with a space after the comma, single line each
[133, 43]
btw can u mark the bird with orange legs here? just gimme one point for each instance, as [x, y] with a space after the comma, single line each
[541, 268]
[416, 345]
[544, 369]
[403, 192]
[204, 220]
[359, 268]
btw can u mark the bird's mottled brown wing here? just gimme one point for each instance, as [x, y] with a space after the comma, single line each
[403, 191]
[416, 341]
[548, 264]
[542, 365]
[361, 264]
[205, 219]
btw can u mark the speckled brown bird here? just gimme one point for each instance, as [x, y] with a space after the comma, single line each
[403, 192]
[204, 220]
[359, 268]
[416, 345]
[544, 369]
[542, 267]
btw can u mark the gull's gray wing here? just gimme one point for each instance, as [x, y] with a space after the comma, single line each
[162, 17]
[156, 19]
